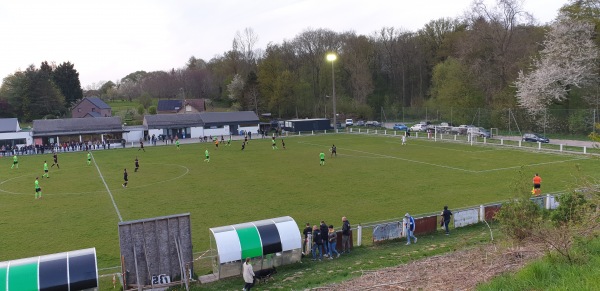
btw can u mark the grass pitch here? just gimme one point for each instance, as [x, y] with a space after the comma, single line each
[372, 178]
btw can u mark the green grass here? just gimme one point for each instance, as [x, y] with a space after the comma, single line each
[555, 273]
[309, 274]
[373, 178]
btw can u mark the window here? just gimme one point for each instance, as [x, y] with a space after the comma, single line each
[78, 109]
[93, 109]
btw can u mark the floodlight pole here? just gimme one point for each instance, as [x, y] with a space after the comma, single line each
[332, 57]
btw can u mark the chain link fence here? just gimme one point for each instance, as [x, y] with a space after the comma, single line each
[508, 120]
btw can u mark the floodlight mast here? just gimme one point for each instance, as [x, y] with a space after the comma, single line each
[332, 57]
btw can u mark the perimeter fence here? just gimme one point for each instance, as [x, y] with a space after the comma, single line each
[509, 120]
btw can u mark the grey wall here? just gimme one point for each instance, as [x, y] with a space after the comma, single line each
[154, 241]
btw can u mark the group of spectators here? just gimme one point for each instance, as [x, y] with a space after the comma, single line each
[321, 240]
[10, 150]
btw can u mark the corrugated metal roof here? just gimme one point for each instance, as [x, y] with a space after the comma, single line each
[173, 120]
[212, 118]
[44, 127]
[9, 125]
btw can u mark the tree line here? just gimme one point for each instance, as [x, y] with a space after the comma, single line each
[492, 57]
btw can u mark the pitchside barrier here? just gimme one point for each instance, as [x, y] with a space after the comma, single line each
[464, 138]
[429, 223]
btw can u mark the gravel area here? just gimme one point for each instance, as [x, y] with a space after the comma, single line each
[460, 270]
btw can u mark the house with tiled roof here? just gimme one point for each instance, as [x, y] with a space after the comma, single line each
[91, 107]
[181, 106]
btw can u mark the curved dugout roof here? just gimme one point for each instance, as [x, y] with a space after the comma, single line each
[254, 239]
[75, 270]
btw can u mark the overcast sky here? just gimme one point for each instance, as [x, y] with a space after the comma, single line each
[109, 39]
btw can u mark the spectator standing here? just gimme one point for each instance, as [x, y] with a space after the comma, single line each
[446, 218]
[248, 275]
[332, 242]
[307, 232]
[409, 224]
[346, 230]
[317, 243]
[324, 230]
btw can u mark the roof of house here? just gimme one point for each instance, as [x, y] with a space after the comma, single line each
[9, 125]
[49, 127]
[223, 118]
[176, 105]
[169, 105]
[173, 120]
[199, 104]
[97, 102]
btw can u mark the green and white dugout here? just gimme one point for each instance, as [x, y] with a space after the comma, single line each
[76, 270]
[269, 243]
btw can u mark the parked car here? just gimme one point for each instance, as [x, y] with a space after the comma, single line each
[479, 131]
[400, 126]
[418, 127]
[360, 123]
[373, 123]
[349, 122]
[534, 137]
[461, 129]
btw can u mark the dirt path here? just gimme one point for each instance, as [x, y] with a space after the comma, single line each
[461, 270]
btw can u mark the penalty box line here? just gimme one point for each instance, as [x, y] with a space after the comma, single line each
[108, 190]
[454, 168]
[403, 159]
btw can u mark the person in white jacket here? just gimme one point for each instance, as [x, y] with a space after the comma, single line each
[248, 275]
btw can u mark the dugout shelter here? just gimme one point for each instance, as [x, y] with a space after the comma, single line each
[75, 270]
[269, 243]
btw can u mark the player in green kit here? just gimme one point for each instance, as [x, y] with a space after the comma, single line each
[322, 156]
[89, 158]
[38, 190]
[15, 162]
[45, 170]
[177, 143]
[207, 156]
[229, 141]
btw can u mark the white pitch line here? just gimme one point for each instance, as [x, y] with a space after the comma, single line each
[458, 169]
[402, 159]
[448, 149]
[107, 189]
[530, 165]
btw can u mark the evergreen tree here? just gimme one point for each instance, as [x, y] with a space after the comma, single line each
[66, 79]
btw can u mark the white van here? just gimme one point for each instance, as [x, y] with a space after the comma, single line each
[349, 122]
